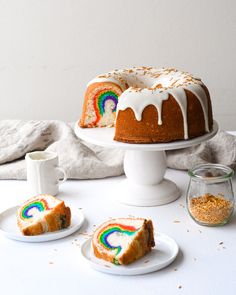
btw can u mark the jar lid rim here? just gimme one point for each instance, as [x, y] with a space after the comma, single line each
[227, 170]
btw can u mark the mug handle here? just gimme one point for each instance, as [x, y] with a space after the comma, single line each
[64, 175]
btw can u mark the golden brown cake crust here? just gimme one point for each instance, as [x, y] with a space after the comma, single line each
[32, 230]
[100, 255]
[129, 130]
[142, 244]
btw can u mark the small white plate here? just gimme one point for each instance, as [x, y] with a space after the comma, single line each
[162, 254]
[8, 226]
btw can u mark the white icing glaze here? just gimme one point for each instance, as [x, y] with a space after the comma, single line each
[152, 86]
[139, 100]
[109, 79]
[180, 96]
[200, 93]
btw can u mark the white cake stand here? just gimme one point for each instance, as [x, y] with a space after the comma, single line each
[144, 166]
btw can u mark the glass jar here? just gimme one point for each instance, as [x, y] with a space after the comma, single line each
[210, 197]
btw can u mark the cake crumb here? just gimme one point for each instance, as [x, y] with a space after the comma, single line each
[108, 266]
[176, 221]
[85, 234]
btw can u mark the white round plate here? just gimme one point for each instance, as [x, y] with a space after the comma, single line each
[163, 254]
[104, 137]
[8, 226]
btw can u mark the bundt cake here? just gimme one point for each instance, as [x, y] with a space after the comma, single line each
[123, 240]
[43, 213]
[148, 105]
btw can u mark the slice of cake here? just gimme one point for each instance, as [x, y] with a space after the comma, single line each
[123, 240]
[43, 213]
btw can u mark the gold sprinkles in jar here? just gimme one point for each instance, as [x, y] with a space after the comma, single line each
[210, 209]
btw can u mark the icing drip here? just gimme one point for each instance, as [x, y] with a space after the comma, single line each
[29, 210]
[115, 229]
[181, 98]
[138, 102]
[200, 93]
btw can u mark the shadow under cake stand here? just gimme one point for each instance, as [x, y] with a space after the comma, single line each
[144, 166]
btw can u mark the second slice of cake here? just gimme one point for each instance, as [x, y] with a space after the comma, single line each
[43, 213]
[123, 240]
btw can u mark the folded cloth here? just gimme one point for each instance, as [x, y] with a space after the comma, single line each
[81, 160]
[220, 149]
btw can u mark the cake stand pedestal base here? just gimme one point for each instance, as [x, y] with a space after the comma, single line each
[144, 166]
[145, 184]
[147, 195]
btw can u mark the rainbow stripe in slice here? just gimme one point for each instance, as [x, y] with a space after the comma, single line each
[100, 100]
[115, 228]
[39, 204]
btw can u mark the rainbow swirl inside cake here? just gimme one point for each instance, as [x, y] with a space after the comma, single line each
[32, 208]
[105, 101]
[118, 231]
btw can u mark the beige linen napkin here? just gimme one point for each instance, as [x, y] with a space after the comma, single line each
[220, 149]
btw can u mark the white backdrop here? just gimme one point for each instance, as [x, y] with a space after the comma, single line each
[50, 49]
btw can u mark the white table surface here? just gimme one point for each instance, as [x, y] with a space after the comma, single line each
[203, 266]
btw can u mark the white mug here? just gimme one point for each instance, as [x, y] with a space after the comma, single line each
[43, 172]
